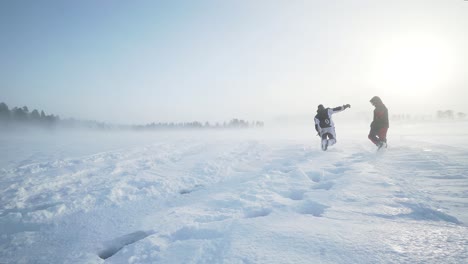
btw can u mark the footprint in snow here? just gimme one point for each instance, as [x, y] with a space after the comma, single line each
[312, 208]
[110, 248]
[315, 176]
[257, 212]
[190, 190]
[295, 195]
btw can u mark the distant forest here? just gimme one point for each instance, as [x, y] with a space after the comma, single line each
[440, 115]
[21, 116]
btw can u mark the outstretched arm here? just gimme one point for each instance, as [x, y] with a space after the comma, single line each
[340, 108]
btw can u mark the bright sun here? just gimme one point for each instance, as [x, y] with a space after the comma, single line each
[412, 65]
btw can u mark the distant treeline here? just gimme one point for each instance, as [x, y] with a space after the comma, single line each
[234, 123]
[22, 116]
[440, 115]
[450, 114]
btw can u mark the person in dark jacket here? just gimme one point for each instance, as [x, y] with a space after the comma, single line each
[379, 125]
[325, 126]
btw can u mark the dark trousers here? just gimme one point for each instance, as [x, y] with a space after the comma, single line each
[377, 135]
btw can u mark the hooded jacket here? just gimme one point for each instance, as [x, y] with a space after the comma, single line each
[380, 116]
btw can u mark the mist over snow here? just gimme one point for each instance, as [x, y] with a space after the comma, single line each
[267, 195]
[183, 132]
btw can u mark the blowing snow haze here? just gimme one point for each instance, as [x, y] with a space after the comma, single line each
[179, 61]
[297, 189]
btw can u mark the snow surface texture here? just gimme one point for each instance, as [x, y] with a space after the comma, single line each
[227, 197]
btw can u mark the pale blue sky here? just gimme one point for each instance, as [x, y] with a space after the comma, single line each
[144, 61]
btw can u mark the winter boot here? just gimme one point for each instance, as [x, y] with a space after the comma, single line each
[324, 144]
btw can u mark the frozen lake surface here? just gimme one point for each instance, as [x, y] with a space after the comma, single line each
[235, 197]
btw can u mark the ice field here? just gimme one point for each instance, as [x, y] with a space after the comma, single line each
[262, 196]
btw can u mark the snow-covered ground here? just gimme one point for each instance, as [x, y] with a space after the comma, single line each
[267, 196]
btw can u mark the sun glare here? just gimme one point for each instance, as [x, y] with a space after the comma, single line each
[412, 65]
